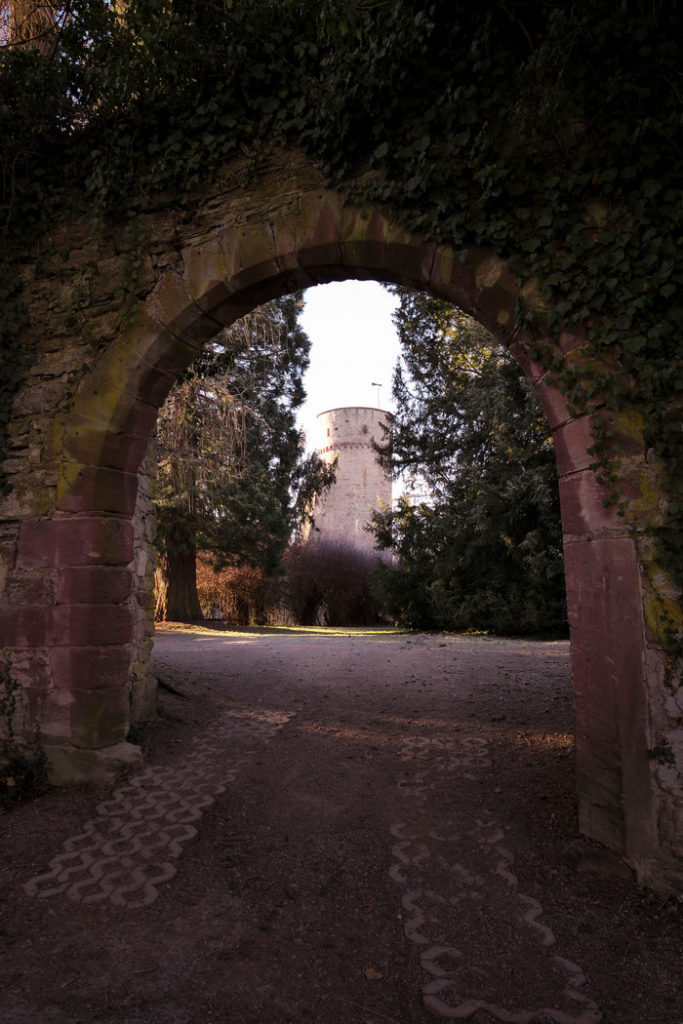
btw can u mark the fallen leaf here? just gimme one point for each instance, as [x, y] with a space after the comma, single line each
[372, 974]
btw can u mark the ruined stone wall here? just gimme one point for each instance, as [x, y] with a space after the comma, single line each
[106, 347]
[71, 607]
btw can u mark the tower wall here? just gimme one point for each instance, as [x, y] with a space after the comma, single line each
[361, 485]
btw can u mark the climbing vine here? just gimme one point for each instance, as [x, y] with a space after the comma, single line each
[23, 766]
[549, 133]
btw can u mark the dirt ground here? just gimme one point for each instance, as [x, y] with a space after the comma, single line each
[341, 828]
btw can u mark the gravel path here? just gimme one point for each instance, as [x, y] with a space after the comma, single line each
[335, 827]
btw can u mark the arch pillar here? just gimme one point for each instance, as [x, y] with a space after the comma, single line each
[611, 673]
[77, 646]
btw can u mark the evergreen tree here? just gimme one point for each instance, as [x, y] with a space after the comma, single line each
[232, 480]
[484, 549]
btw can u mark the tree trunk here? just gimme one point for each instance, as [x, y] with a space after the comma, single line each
[180, 575]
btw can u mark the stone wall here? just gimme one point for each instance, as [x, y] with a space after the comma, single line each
[143, 681]
[74, 617]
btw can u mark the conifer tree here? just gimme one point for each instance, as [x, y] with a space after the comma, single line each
[484, 549]
[232, 480]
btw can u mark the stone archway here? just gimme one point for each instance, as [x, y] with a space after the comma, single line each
[73, 615]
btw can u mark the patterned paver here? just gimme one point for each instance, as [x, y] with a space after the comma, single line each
[482, 889]
[448, 871]
[130, 848]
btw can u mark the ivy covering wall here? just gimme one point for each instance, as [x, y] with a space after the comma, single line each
[550, 133]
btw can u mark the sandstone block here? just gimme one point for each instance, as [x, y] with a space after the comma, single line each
[205, 273]
[171, 304]
[69, 765]
[96, 489]
[92, 584]
[572, 441]
[74, 541]
[90, 668]
[87, 625]
[100, 718]
[584, 510]
[613, 769]
[93, 444]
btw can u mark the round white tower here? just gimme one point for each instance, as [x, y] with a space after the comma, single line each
[361, 486]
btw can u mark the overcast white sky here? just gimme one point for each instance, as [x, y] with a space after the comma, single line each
[354, 344]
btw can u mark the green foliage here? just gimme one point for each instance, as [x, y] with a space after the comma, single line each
[23, 767]
[484, 551]
[549, 133]
[232, 479]
[663, 753]
[13, 358]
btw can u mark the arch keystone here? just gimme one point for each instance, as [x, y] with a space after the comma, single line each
[171, 304]
[309, 235]
[372, 242]
[205, 274]
[250, 255]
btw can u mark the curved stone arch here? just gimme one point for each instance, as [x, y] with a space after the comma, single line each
[226, 276]
[203, 273]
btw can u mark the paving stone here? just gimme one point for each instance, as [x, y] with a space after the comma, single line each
[130, 848]
[511, 921]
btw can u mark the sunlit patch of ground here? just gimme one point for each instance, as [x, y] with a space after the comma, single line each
[217, 627]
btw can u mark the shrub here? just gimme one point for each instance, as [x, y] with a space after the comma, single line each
[23, 766]
[329, 584]
[242, 595]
